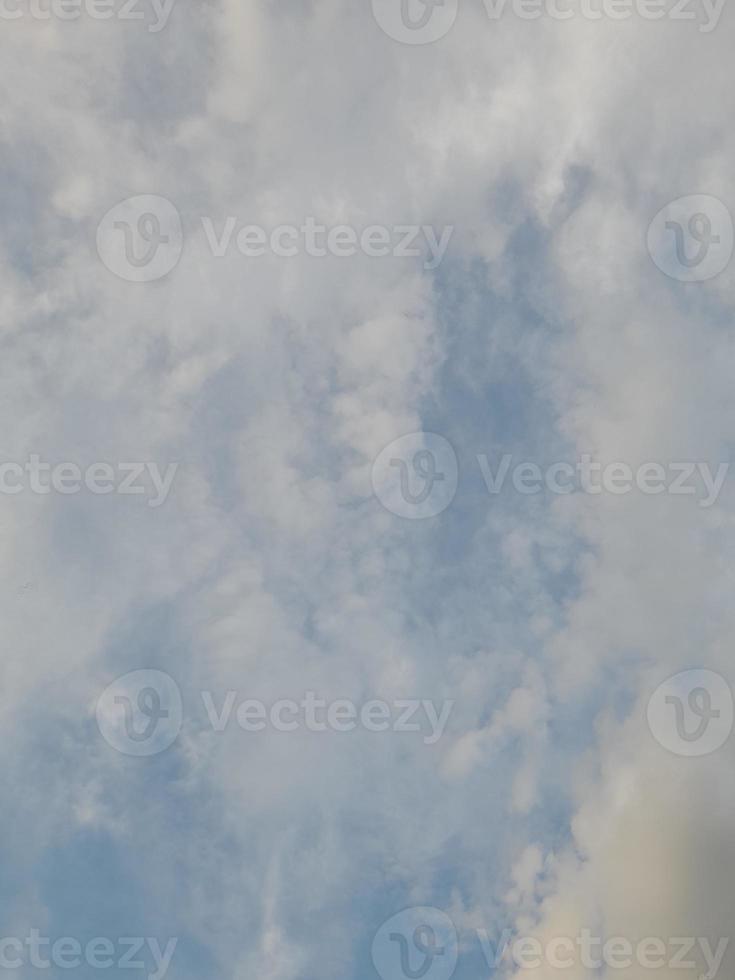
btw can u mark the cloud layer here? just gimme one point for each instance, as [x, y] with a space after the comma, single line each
[272, 569]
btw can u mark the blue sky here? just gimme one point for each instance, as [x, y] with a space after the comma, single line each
[274, 564]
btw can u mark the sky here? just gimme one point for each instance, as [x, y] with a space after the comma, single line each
[365, 501]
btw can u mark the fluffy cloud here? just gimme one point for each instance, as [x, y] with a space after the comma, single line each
[272, 570]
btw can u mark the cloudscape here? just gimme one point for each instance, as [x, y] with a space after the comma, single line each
[366, 500]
